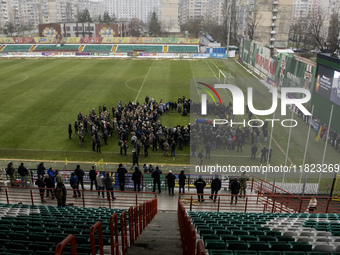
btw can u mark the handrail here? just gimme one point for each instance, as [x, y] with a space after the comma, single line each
[141, 228]
[70, 239]
[132, 225]
[200, 248]
[135, 212]
[97, 225]
[123, 231]
[114, 234]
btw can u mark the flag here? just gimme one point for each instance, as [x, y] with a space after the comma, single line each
[151, 104]
[318, 132]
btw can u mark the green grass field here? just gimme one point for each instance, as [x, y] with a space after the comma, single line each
[40, 97]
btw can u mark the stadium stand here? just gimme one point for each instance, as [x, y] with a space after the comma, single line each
[146, 48]
[183, 49]
[97, 48]
[55, 47]
[17, 48]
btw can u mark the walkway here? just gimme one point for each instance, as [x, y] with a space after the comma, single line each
[161, 236]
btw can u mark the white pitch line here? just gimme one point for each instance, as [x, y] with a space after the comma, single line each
[131, 80]
[142, 84]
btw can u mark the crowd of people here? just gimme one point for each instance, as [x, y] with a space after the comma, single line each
[136, 125]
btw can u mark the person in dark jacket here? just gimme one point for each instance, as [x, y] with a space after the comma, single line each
[93, 175]
[136, 177]
[156, 175]
[109, 187]
[49, 185]
[134, 158]
[60, 193]
[253, 151]
[80, 173]
[216, 185]
[200, 184]
[10, 171]
[69, 131]
[23, 171]
[264, 154]
[41, 169]
[171, 182]
[41, 184]
[74, 184]
[181, 182]
[121, 176]
[235, 189]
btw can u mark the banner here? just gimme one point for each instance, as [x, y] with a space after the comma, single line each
[291, 72]
[45, 39]
[91, 40]
[6, 40]
[21, 40]
[217, 55]
[262, 59]
[246, 51]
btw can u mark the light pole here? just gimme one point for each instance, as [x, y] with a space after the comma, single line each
[228, 38]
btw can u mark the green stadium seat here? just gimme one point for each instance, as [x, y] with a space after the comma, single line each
[234, 245]
[285, 238]
[266, 238]
[258, 246]
[183, 48]
[228, 237]
[145, 48]
[220, 252]
[20, 251]
[206, 231]
[292, 253]
[45, 253]
[239, 232]
[36, 247]
[98, 48]
[236, 252]
[247, 238]
[16, 48]
[214, 244]
[38, 237]
[273, 233]
[279, 246]
[55, 47]
[301, 247]
[210, 236]
[255, 232]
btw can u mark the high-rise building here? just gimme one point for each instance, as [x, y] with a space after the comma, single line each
[95, 7]
[301, 9]
[268, 18]
[200, 9]
[169, 15]
[133, 9]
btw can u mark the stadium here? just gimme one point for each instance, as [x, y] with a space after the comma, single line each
[110, 103]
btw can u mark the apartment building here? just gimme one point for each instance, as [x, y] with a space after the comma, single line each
[199, 9]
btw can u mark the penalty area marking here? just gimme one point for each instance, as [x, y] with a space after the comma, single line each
[126, 83]
[15, 82]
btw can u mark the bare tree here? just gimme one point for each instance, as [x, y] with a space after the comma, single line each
[254, 18]
[193, 27]
[333, 34]
[316, 30]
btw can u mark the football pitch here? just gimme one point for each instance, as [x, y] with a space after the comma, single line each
[40, 97]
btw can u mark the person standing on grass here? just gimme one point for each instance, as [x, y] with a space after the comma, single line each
[70, 131]
[200, 184]
[23, 171]
[109, 187]
[41, 184]
[93, 175]
[171, 182]
[121, 176]
[136, 177]
[253, 151]
[264, 154]
[74, 184]
[80, 173]
[216, 185]
[181, 181]
[134, 158]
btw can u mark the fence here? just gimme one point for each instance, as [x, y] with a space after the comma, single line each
[88, 198]
[139, 217]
